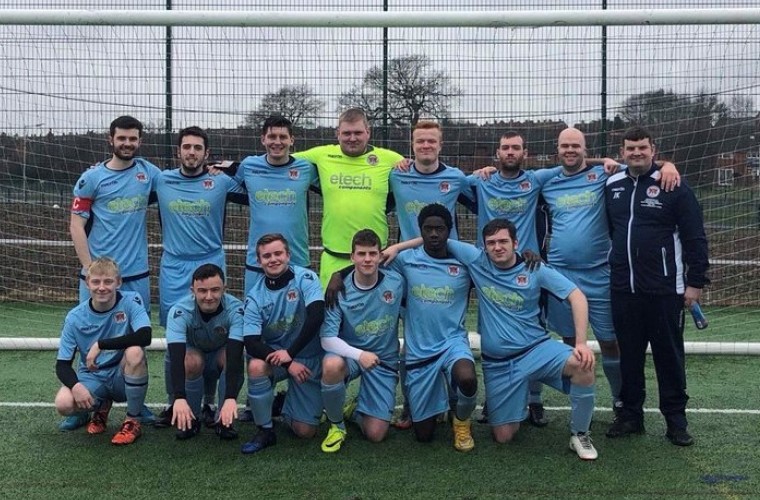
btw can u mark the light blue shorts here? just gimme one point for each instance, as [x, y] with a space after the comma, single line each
[507, 380]
[105, 384]
[427, 382]
[595, 285]
[377, 388]
[303, 402]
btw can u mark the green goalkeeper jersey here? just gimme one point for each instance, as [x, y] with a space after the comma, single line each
[354, 192]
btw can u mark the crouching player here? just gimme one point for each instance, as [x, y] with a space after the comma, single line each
[360, 337]
[196, 334]
[109, 330]
[284, 310]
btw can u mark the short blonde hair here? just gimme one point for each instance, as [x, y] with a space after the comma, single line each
[103, 265]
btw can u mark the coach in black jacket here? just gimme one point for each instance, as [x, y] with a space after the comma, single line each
[658, 265]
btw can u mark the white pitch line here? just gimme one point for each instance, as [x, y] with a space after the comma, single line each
[706, 411]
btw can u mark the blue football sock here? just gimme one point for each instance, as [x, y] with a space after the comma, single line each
[534, 390]
[582, 399]
[465, 405]
[194, 395]
[135, 388]
[333, 399]
[261, 396]
[611, 367]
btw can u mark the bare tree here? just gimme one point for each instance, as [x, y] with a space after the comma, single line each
[297, 103]
[741, 106]
[415, 89]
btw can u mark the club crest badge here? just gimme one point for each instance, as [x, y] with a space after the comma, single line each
[591, 176]
[141, 177]
[525, 186]
[453, 270]
[372, 160]
[388, 296]
[293, 174]
[444, 187]
[208, 184]
[653, 191]
[292, 295]
[120, 317]
[521, 280]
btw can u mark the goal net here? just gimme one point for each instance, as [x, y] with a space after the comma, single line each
[695, 85]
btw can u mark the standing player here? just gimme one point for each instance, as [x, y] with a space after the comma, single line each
[427, 180]
[360, 336]
[192, 207]
[108, 214]
[196, 336]
[108, 218]
[278, 185]
[109, 330]
[516, 349]
[658, 265]
[580, 246]
[284, 311]
[353, 177]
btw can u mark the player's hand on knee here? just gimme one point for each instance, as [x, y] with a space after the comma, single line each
[228, 412]
[92, 356]
[299, 372]
[585, 356]
[368, 360]
[82, 397]
[278, 358]
[182, 415]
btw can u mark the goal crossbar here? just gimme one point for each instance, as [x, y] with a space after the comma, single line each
[397, 19]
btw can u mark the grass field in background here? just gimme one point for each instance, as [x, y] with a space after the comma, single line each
[42, 462]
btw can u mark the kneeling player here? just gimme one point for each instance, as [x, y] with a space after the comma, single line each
[516, 349]
[111, 328]
[196, 333]
[284, 310]
[360, 336]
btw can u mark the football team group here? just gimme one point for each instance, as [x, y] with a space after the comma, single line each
[619, 248]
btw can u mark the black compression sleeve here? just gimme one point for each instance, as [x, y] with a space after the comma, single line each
[65, 373]
[234, 368]
[315, 315]
[141, 337]
[256, 348]
[177, 352]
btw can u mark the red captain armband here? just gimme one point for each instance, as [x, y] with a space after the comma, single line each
[81, 204]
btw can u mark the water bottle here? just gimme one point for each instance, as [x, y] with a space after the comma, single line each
[699, 317]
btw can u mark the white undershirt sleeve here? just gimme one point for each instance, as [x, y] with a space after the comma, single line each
[339, 346]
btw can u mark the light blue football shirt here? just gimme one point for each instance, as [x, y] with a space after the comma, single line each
[115, 204]
[84, 326]
[368, 319]
[279, 315]
[185, 324]
[508, 299]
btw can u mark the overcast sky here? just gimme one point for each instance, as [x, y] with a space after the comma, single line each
[78, 78]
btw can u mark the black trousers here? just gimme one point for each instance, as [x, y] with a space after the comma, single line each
[656, 320]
